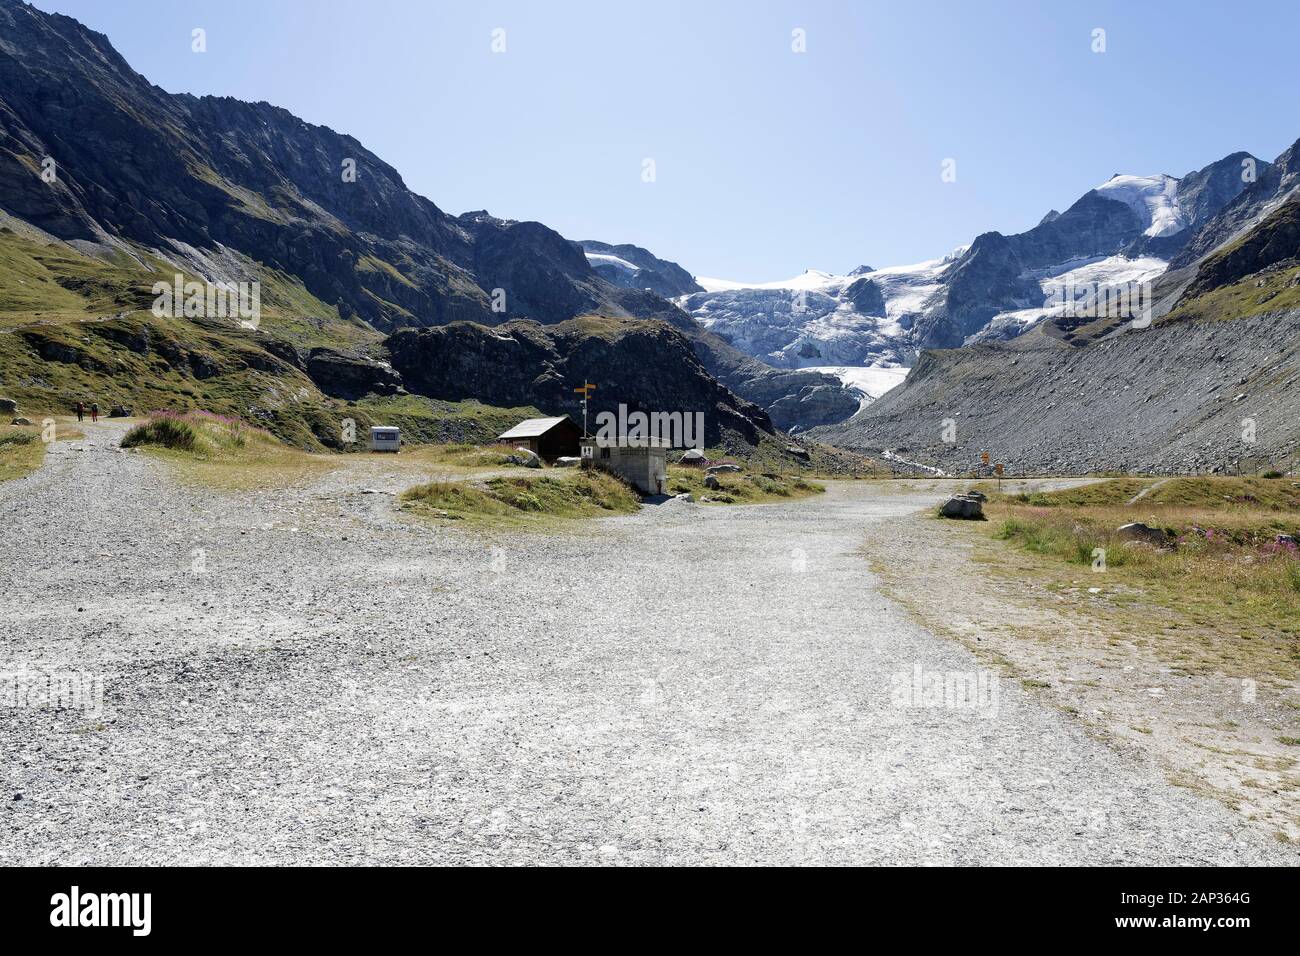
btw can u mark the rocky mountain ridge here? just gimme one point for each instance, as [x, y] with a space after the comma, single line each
[228, 191]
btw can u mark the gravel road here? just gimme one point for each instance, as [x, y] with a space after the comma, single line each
[305, 676]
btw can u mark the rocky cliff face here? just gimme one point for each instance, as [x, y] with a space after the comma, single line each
[648, 366]
[1275, 240]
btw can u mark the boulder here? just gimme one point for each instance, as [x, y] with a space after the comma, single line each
[1288, 541]
[119, 411]
[684, 496]
[963, 506]
[8, 406]
[977, 495]
[20, 421]
[798, 452]
[567, 461]
[724, 469]
[711, 482]
[525, 457]
[1143, 534]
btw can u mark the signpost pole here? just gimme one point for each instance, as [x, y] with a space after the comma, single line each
[585, 390]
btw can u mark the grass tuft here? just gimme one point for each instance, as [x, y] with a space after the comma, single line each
[525, 499]
[167, 432]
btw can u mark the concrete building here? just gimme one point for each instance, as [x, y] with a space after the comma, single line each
[642, 463]
[548, 438]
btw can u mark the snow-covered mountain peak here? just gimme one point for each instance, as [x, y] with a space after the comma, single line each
[1153, 198]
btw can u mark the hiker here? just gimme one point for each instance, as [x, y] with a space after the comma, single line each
[81, 411]
[94, 411]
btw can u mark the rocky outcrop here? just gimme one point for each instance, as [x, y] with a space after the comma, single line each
[646, 365]
[865, 296]
[1136, 531]
[349, 376]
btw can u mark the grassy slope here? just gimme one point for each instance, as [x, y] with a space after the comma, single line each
[1269, 291]
[74, 327]
[1227, 580]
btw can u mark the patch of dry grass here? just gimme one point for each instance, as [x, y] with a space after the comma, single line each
[21, 451]
[740, 487]
[522, 501]
[460, 457]
[1224, 590]
[225, 453]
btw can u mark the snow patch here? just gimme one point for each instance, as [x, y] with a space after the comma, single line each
[1153, 198]
[872, 381]
[603, 259]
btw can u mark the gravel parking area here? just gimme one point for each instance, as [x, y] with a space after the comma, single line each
[306, 676]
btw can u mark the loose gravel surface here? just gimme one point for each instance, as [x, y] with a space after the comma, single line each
[307, 676]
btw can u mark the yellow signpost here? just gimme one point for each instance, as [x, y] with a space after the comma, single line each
[585, 390]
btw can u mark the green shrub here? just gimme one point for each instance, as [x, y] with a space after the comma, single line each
[166, 432]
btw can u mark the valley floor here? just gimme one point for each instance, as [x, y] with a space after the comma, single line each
[309, 676]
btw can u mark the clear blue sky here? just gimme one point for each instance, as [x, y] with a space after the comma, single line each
[768, 162]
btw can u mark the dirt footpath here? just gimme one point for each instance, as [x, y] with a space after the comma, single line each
[306, 676]
[1213, 733]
